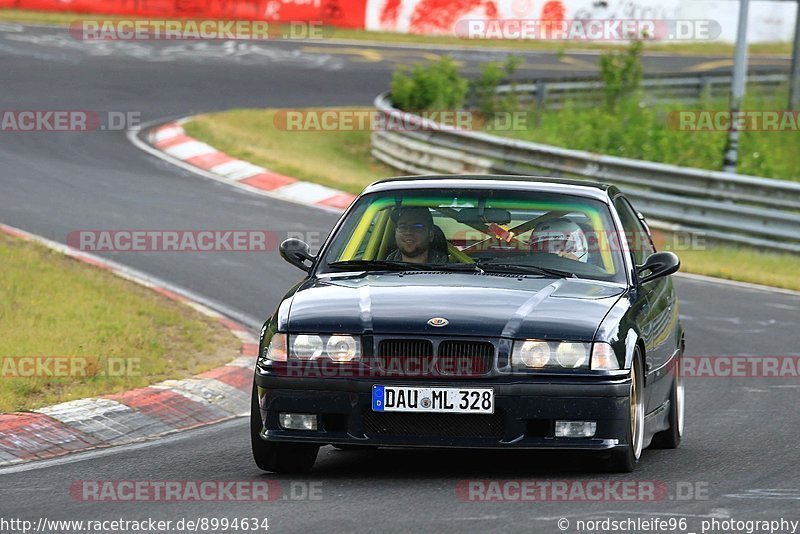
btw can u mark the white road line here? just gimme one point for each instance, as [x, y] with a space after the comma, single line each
[162, 134]
[736, 283]
[190, 149]
[133, 137]
[237, 169]
[308, 191]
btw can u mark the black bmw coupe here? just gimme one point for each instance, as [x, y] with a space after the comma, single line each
[474, 312]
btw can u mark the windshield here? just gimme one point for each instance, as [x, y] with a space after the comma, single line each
[543, 234]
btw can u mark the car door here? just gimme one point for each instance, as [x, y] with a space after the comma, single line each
[657, 316]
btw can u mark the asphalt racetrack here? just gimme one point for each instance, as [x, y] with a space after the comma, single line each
[739, 457]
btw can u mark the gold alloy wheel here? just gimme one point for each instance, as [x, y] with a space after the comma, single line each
[636, 411]
[679, 399]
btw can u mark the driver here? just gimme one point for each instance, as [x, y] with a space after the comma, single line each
[414, 234]
[560, 236]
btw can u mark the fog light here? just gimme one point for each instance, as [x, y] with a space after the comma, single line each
[575, 429]
[298, 421]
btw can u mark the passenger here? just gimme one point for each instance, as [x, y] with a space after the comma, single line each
[560, 236]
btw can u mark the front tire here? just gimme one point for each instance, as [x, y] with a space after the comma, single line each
[671, 437]
[278, 457]
[625, 460]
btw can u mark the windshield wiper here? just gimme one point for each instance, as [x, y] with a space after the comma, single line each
[387, 265]
[534, 269]
[457, 267]
[378, 265]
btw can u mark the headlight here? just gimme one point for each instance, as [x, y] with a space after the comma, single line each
[531, 353]
[538, 354]
[307, 346]
[276, 349]
[572, 355]
[340, 348]
[343, 348]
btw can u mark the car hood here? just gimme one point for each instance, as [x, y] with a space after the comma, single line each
[485, 305]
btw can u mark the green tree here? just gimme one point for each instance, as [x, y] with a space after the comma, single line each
[435, 86]
[621, 73]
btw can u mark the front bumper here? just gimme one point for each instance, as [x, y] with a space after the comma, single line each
[525, 413]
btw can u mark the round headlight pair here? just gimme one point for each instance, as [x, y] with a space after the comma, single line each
[339, 348]
[536, 354]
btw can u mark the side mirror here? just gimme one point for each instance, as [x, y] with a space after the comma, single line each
[297, 253]
[658, 265]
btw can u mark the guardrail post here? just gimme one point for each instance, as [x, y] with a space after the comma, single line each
[541, 95]
[705, 89]
[794, 76]
[737, 89]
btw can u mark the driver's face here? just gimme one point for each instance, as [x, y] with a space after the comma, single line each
[413, 235]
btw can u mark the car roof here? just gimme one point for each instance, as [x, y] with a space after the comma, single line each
[546, 184]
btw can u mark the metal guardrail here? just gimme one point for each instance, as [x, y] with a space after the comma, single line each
[665, 88]
[722, 206]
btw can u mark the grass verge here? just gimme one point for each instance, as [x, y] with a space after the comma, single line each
[114, 334]
[342, 159]
[346, 34]
[744, 264]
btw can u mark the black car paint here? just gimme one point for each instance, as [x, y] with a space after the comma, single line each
[486, 306]
[402, 303]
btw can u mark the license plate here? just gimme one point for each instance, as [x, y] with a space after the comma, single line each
[432, 399]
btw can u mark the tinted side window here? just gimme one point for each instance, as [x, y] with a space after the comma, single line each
[635, 233]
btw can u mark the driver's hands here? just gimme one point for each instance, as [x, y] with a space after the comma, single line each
[568, 255]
